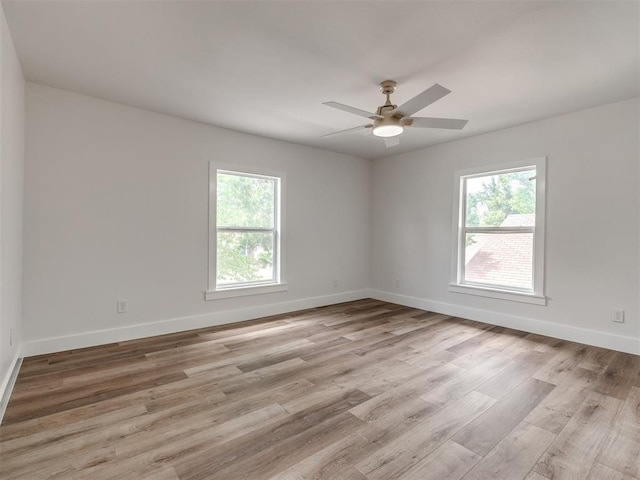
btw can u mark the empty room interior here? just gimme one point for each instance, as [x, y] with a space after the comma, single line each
[339, 240]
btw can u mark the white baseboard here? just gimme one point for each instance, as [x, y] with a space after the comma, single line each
[8, 382]
[120, 334]
[101, 337]
[565, 332]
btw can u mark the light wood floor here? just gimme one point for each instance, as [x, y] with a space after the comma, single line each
[357, 391]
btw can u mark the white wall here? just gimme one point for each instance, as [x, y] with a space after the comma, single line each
[11, 189]
[116, 208]
[592, 225]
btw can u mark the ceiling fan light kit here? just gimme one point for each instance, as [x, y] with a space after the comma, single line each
[387, 127]
[391, 120]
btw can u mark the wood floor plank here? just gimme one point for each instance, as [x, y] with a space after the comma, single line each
[597, 359]
[298, 330]
[515, 374]
[514, 456]
[154, 447]
[475, 357]
[314, 395]
[211, 427]
[243, 357]
[27, 444]
[535, 476]
[418, 322]
[555, 411]
[164, 474]
[289, 474]
[486, 431]
[143, 454]
[558, 367]
[383, 403]
[465, 382]
[492, 338]
[261, 362]
[396, 458]
[451, 461]
[49, 461]
[412, 356]
[286, 453]
[574, 452]
[364, 390]
[621, 451]
[47, 454]
[602, 472]
[333, 460]
[223, 458]
[619, 376]
[454, 332]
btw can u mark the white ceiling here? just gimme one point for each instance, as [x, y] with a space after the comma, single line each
[265, 67]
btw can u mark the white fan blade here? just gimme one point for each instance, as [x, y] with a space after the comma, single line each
[391, 141]
[426, 122]
[347, 130]
[355, 111]
[417, 103]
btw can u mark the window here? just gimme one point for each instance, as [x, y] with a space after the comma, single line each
[245, 238]
[499, 232]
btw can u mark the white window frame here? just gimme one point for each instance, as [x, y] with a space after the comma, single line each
[458, 285]
[277, 284]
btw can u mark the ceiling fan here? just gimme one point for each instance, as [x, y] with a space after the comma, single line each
[390, 120]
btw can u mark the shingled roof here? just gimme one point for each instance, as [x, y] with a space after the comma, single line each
[502, 258]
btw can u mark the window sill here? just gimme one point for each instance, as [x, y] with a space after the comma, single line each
[499, 294]
[245, 291]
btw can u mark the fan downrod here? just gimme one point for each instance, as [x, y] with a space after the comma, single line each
[387, 88]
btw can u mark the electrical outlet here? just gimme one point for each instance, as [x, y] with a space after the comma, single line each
[11, 336]
[617, 316]
[397, 283]
[336, 284]
[121, 306]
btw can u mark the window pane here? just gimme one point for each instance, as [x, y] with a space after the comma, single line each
[244, 257]
[500, 259]
[245, 201]
[507, 199]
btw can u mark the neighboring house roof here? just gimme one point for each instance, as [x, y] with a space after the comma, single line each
[519, 220]
[502, 258]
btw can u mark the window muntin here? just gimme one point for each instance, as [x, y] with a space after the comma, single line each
[247, 221]
[500, 229]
